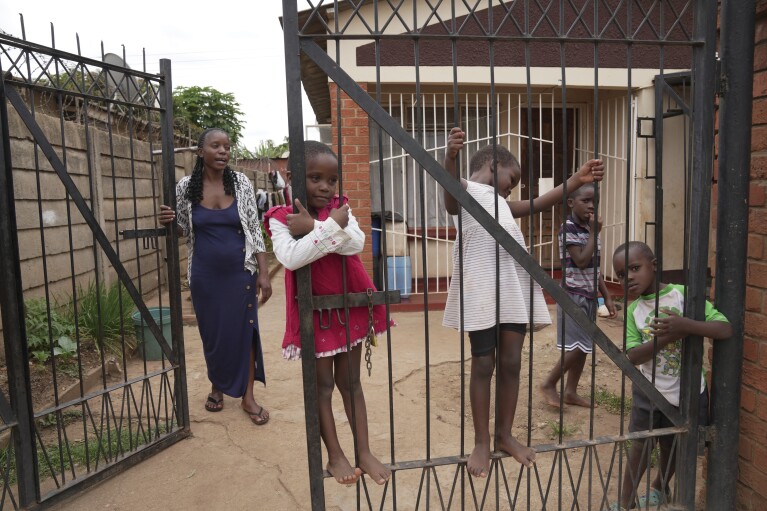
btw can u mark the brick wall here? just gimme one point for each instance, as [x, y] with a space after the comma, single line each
[354, 162]
[752, 466]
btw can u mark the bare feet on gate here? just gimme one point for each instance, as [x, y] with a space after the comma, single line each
[523, 454]
[374, 468]
[340, 468]
[479, 461]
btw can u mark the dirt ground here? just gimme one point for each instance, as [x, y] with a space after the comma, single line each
[229, 463]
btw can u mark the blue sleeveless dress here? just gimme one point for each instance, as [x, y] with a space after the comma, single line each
[224, 299]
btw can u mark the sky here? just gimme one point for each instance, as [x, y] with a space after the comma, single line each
[234, 46]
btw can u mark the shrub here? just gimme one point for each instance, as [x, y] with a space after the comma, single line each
[104, 315]
[48, 330]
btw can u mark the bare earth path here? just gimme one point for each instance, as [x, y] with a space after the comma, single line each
[231, 464]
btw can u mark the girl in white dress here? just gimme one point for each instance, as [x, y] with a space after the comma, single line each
[496, 165]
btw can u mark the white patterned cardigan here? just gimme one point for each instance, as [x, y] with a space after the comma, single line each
[246, 208]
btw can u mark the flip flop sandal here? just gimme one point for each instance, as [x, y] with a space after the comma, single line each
[257, 418]
[214, 405]
[652, 499]
[616, 507]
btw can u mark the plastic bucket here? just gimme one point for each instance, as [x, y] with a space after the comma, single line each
[147, 342]
[399, 275]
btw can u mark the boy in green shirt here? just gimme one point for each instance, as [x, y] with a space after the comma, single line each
[669, 327]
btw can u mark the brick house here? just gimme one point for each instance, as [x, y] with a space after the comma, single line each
[752, 480]
[360, 151]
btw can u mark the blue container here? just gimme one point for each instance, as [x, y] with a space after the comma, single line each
[376, 235]
[399, 274]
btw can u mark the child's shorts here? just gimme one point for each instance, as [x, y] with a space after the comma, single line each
[640, 412]
[575, 337]
[483, 341]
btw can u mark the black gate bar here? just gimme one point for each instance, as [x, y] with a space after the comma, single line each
[14, 328]
[737, 52]
[419, 154]
[303, 275]
[703, 83]
[171, 246]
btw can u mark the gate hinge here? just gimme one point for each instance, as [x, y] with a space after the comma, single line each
[706, 435]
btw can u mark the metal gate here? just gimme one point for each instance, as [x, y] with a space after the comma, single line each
[648, 60]
[87, 157]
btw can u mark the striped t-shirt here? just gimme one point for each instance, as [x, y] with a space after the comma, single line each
[579, 280]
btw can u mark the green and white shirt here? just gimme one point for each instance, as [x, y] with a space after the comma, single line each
[668, 361]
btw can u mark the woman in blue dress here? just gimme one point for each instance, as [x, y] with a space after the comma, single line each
[227, 271]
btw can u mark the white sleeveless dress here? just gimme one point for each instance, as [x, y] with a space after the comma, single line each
[479, 275]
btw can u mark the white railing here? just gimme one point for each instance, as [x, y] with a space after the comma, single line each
[404, 210]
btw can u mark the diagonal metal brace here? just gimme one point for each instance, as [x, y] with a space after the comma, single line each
[503, 238]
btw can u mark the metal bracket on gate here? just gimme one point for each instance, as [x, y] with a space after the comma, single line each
[148, 236]
[706, 435]
[643, 131]
[355, 299]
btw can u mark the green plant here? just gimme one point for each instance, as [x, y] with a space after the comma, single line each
[555, 428]
[104, 315]
[267, 239]
[46, 328]
[611, 402]
[654, 453]
[67, 417]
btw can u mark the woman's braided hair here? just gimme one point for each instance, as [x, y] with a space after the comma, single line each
[194, 190]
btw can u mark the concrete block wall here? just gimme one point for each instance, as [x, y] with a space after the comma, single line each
[55, 243]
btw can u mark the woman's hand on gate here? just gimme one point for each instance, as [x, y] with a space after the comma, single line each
[166, 215]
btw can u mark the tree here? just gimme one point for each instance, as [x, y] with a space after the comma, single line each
[267, 149]
[199, 108]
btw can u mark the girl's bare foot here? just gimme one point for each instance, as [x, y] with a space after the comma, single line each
[575, 399]
[549, 395]
[479, 461]
[374, 468]
[341, 469]
[523, 454]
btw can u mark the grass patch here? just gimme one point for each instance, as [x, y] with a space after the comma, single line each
[67, 417]
[53, 461]
[555, 429]
[611, 402]
[654, 453]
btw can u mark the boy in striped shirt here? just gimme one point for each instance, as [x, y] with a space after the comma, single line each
[581, 241]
